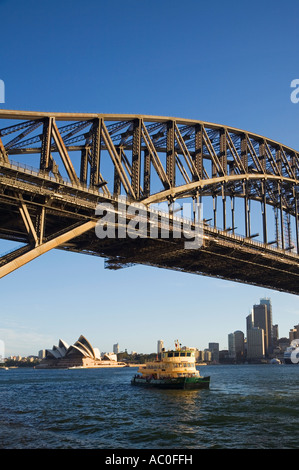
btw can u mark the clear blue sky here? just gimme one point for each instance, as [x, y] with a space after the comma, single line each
[225, 62]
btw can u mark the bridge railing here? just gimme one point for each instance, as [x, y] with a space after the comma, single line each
[45, 175]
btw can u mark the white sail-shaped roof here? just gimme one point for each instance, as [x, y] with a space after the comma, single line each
[81, 347]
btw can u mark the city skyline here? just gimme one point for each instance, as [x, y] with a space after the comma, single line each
[115, 347]
[181, 70]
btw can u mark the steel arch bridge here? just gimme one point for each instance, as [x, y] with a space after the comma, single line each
[56, 167]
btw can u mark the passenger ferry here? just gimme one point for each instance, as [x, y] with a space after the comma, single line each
[175, 369]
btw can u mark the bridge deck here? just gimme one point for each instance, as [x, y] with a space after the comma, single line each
[222, 255]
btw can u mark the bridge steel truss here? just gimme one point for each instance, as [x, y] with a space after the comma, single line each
[79, 160]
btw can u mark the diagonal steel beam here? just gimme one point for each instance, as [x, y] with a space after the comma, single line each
[46, 144]
[45, 247]
[185, 151]
[155, 158]
[3, 154]
[95, 154]
[27, 219]
[64, 154]
[116, 160]
[239, 160]
[212, 152]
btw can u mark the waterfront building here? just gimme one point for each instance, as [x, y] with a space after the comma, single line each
[116, 348]
[200, 356]
[261, 317]
[255, 344]
[214, 348]
[80, 354]
[207, 355]
[267, 302]
[236, 345]
[275, 335]
[42, 354]
[260, 321]
[239, 345]
[294, 333]
[249, 321]
[231, 346]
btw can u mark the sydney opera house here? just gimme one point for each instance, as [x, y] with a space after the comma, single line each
[79, 355]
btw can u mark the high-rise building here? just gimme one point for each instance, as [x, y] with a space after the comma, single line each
[261, 317]
[239, 345]
[116, 348]
[207, 355]
[255, 344]
[260, 320]
[275, 335]
[231, 346]
[249, 321]
[42, 354]
[236, 345]
[267, 302]
[160, 346]
[214, 348]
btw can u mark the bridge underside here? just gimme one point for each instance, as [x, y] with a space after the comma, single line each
[225, 261]
[222, 260]
[149, 160]
[222, 255]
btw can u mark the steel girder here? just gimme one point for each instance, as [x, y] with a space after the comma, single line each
[146, 158]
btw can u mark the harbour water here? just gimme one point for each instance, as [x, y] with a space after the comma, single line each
[247, 407]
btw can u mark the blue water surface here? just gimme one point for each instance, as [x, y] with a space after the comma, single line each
[247, 407]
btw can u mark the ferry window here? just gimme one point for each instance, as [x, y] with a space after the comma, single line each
[188, 354]
[176, 354]
[170, 354]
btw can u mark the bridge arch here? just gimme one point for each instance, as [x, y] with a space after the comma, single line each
[150, 159]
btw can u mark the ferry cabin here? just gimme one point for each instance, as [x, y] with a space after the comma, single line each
[172, 364]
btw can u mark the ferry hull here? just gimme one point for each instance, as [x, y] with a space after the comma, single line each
[181, 383]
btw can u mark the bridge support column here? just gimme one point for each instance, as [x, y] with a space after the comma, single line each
[281, 218]
[95, 153]
[117, 182]
[147, 173]
[246, 210]
[198, 157]
[46, 144]
[84, 165]
[136, 158]
[264, 212]
[233, 213]
[224, 206]
[215, 210]
[170, 154]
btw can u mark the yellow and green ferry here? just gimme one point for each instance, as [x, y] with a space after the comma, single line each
[175, 369]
